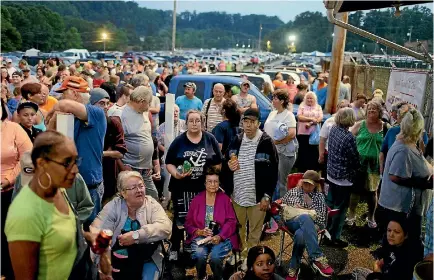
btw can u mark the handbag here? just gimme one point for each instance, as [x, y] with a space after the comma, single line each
[314, 136]
[131, 266]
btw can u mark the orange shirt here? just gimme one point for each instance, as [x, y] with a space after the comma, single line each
[321, 86]
[48, 106]
[15, 142]
[278, 84]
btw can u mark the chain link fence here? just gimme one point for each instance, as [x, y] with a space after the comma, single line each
[365, 79]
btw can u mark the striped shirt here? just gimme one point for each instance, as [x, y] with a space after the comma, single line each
[214, 115]
[244, 178]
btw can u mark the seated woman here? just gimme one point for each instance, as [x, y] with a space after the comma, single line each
[207, 208]
[397, 257]
[307, 195]
[138, 222]
[260, 265]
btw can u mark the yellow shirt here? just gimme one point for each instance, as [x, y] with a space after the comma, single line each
[30, 218]
[49, 104]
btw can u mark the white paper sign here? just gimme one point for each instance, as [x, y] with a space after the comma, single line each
[169, 109]
[65, 124]
[407, 86]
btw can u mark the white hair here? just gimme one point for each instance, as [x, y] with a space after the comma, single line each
[412, 126]
[124, 176]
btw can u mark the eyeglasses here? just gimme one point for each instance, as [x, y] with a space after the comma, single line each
[246, 85]
[136, 187]
[213, 182]
[69, 163]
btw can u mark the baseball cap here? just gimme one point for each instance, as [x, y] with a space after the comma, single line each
[245, 82]
[191, 84]
[252, 114]
[27, 168]
[17, 73]
[74, 83]
[312, 177]
[8, 60]
[97, 94]
[27, 104]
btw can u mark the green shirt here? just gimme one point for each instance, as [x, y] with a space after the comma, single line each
[30, 218]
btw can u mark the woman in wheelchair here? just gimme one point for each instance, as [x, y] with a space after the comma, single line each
[138, 223]
[211, 226]
[304, 225]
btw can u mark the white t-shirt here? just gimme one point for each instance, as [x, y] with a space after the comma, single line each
[325, 130]
[271, 124]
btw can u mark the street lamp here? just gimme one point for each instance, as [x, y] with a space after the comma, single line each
[236, 45]
[291, 38]
[104, 37]
[333, 34]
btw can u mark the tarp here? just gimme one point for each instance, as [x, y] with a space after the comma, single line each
[32, 52]
[317, 54]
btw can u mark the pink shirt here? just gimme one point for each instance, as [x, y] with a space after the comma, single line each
[292, 91]
[309, 112]
[15, 142]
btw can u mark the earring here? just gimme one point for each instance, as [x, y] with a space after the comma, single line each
[49, 179]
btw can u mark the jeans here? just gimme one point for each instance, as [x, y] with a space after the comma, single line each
[285, 166]
[338, 197]
[216, 252]
[150, 271]
[149, 183]
[305, 235]
[96, 199]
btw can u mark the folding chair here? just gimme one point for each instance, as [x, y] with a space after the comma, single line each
[293, 181]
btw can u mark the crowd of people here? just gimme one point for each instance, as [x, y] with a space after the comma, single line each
[218, 177]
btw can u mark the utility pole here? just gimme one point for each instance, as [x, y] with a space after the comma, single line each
[259, 41]
[174, 26]
[409, 34]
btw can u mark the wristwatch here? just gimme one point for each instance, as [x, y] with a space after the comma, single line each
[136, 236]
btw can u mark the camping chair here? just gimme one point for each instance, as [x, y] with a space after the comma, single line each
[293, 181]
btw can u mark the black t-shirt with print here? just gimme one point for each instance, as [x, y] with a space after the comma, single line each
[201, 156]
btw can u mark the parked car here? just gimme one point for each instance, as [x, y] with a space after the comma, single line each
[205, 84]
[255, 78]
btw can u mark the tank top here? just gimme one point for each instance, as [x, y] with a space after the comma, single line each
[243, 102]
[369, 146]
[41, 125]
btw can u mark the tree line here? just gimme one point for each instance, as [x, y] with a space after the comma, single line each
[60, 25]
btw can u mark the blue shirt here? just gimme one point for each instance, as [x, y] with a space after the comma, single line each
[185, 104]
[89, 139]
[429, 230]
[154, 89]
[322, 97]
[390, 138]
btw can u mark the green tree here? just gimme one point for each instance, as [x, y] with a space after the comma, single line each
[73, 39]
[10, 37]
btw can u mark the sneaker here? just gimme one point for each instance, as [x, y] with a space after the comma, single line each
[292, 274]
[337, 243]
[244, 265]
[350, 221]
[231, 259]
[321, 264]
[371, 224]
[273, 228]
[173, 256]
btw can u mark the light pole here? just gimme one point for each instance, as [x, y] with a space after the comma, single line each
[104, 37]
[292, 42]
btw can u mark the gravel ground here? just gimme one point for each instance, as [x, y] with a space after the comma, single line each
[362, 241]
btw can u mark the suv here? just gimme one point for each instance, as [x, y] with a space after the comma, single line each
[205, 84]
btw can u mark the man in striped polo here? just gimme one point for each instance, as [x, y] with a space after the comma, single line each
[250, 177]
[212, 107]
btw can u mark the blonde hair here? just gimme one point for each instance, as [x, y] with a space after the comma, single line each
[412, 126]
[345, 117]
[124, 176]
[377, 106]
[311, 93]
